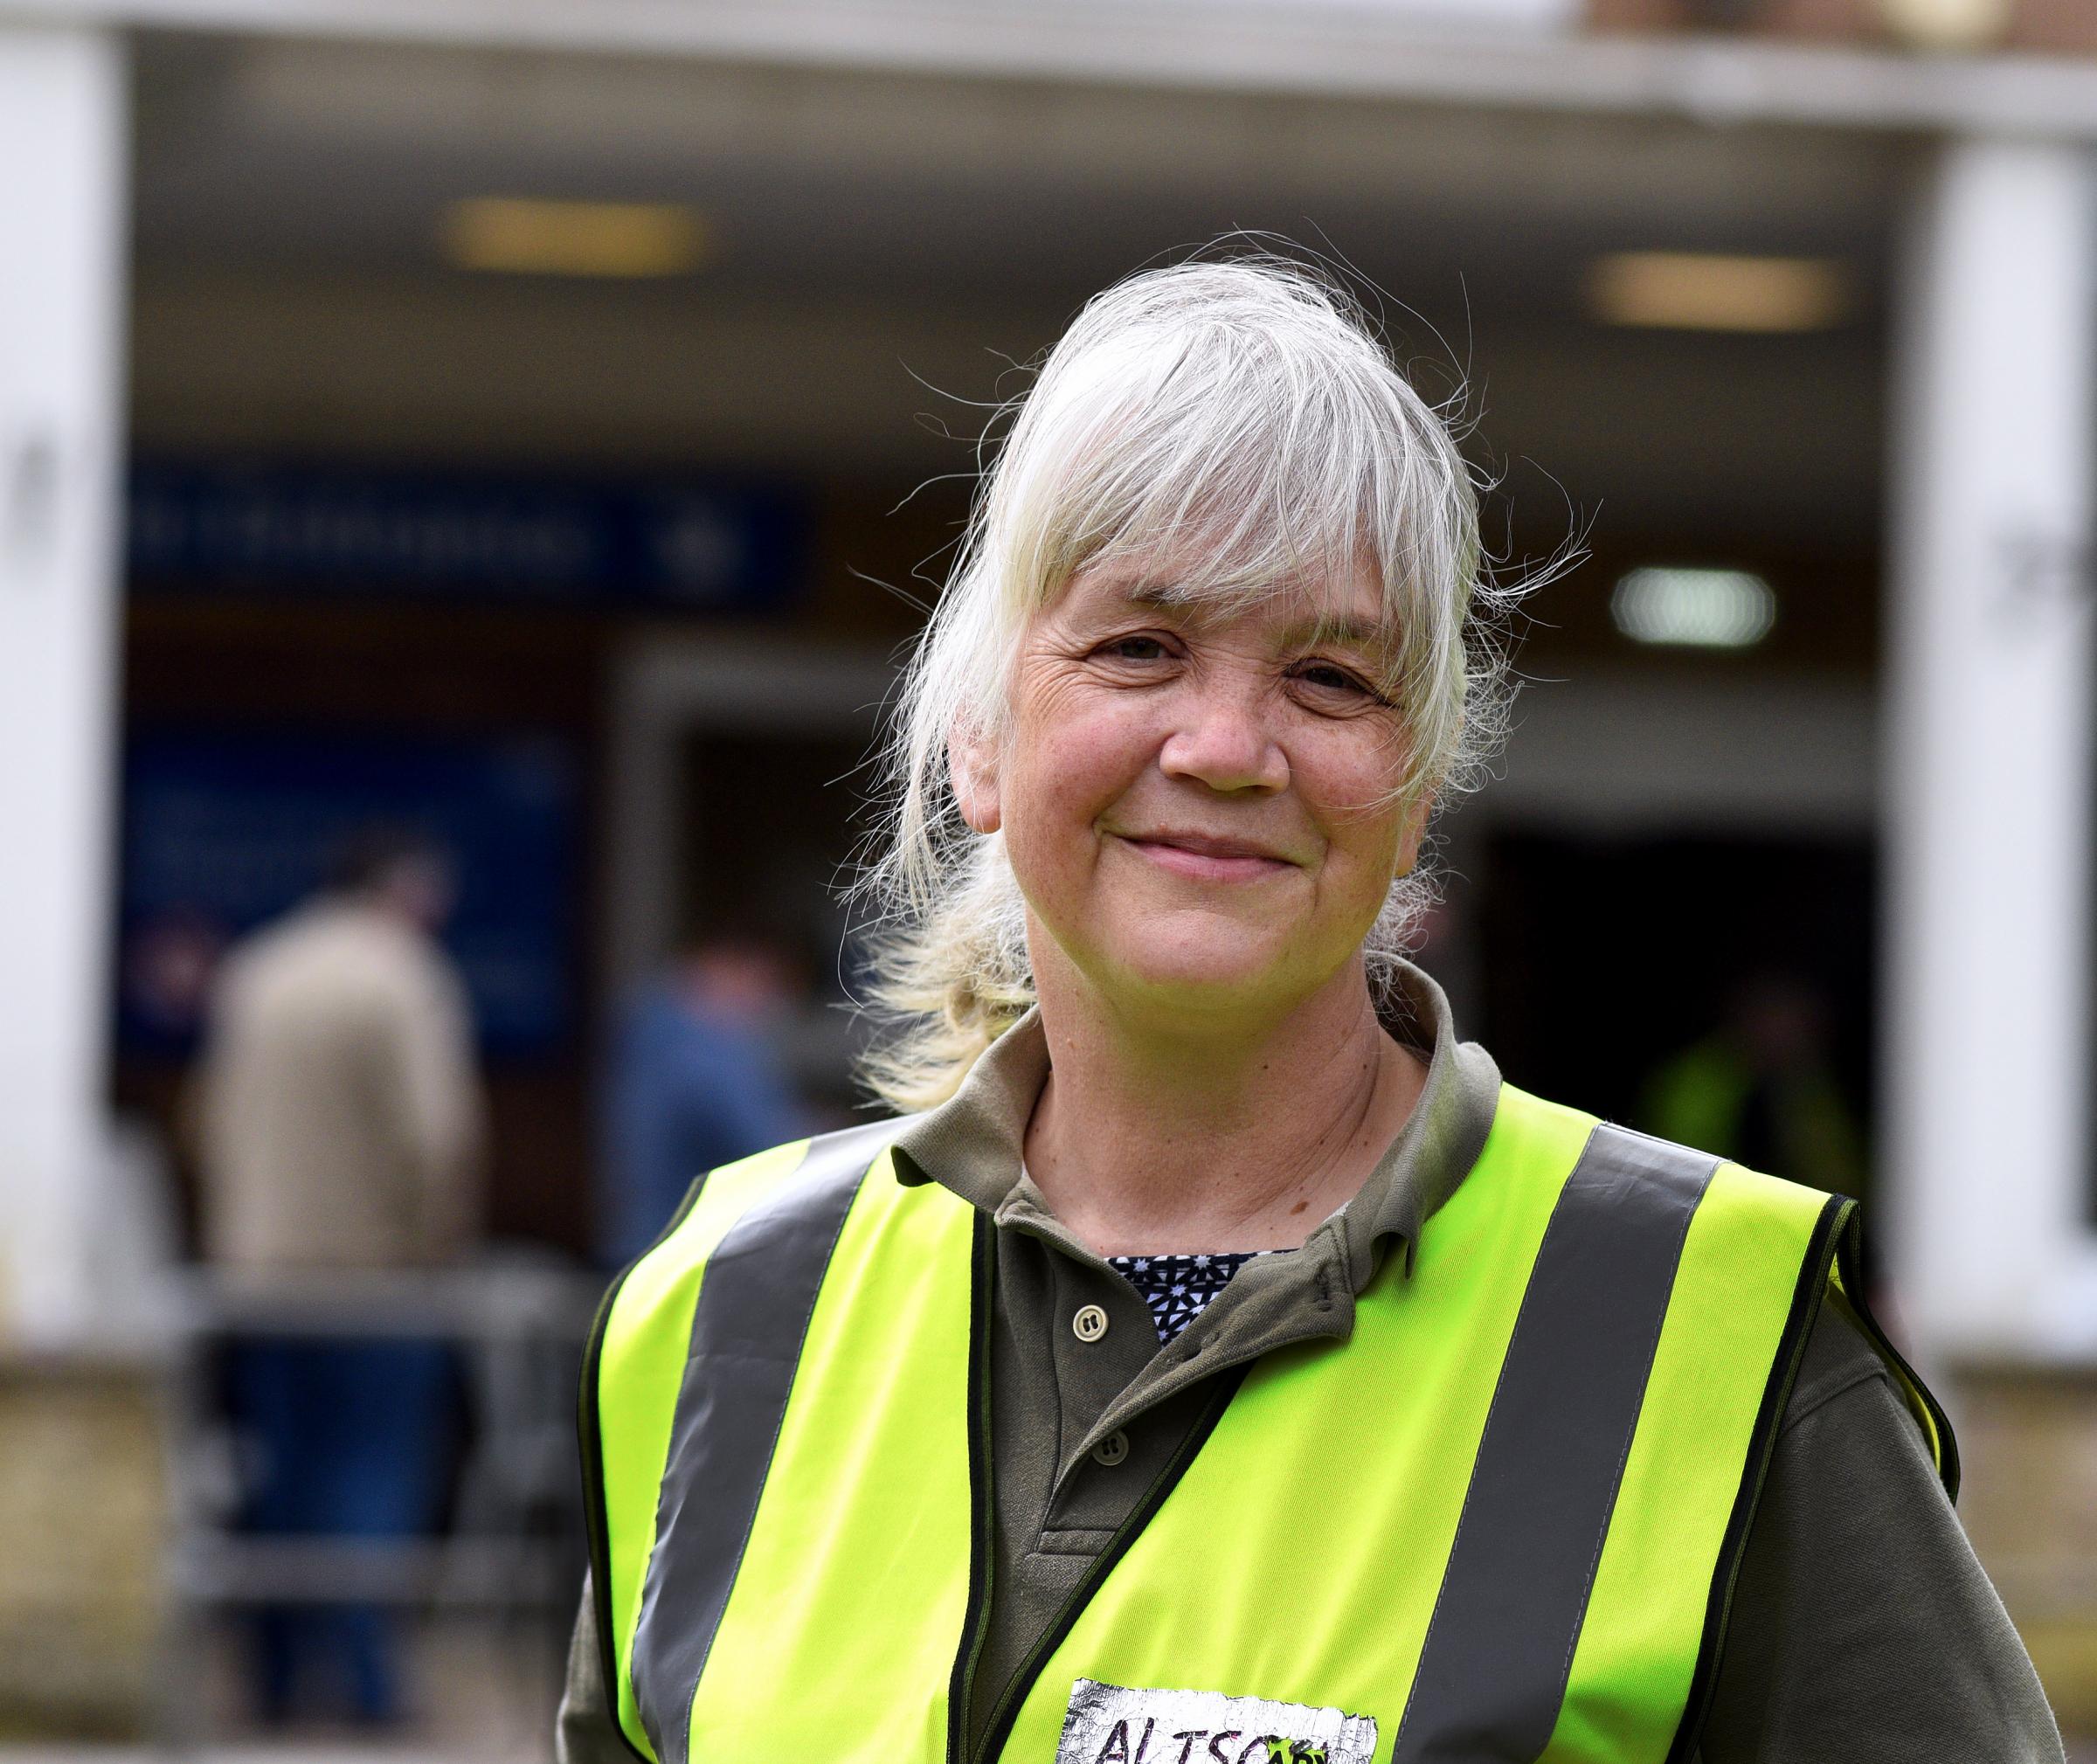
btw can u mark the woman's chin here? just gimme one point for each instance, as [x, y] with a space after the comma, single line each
[1201, 982]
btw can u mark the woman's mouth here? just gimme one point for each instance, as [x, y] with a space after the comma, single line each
[1201, 857]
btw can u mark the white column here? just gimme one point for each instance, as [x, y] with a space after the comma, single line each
[63, 125]
[1987, 759]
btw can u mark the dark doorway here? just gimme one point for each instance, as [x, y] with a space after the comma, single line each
[1607, 959]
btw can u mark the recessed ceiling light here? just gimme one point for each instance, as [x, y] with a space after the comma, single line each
[1709, 291]
[1954, 27]
[1694, 609]
[536, 236]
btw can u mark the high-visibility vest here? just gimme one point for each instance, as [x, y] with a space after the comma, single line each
[1501, 1520]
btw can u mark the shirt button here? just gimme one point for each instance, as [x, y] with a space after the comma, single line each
[1111, 1449]
[1090, 1324]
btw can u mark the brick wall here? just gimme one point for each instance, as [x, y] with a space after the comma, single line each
[82, 1517]
[2029, 1442]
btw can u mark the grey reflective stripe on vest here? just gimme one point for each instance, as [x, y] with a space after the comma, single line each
[1493, 1668]
[755, 1300]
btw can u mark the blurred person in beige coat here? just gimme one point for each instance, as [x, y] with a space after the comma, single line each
[338, 1117]
[337, 1107]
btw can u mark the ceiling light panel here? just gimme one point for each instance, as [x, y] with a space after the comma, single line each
[1693, 609]
[1711, 291]
[537, 236]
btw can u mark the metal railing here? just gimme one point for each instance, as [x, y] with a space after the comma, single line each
[511, 1553]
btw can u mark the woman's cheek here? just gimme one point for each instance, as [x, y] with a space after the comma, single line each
[1049, 827]
[1092, 762]
[1363, 825]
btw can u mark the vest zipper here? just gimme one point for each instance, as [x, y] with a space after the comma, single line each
[998, 1728]
[983, 1265]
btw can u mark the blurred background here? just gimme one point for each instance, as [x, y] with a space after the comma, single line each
[468, 472]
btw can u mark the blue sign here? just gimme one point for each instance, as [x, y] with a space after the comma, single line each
[340, 532]
[223, 832]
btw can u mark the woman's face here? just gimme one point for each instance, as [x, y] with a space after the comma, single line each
[1201, 808]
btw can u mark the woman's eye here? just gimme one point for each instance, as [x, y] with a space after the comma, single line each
[1326, 677]
[1134, 649]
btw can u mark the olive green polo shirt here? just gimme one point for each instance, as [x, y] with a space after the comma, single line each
[1862, 1629]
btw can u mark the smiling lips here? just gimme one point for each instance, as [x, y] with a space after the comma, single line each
[1204, 858]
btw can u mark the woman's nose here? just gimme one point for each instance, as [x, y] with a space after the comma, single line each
[1221, 739]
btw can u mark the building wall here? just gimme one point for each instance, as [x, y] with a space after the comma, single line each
[2066, 27]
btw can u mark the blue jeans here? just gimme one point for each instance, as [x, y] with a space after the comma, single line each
[352, 1436]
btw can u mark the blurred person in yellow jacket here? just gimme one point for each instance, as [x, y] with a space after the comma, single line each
[1760, 1090]
[339, 1125]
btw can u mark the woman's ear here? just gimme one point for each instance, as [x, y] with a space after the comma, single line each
[972, 763]
[1412, 830]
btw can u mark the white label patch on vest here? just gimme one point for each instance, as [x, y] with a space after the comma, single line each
[1108, 1724]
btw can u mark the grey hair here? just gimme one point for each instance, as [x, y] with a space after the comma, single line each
[1242, 415]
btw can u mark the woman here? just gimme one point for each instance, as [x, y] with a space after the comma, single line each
[1219, 1362]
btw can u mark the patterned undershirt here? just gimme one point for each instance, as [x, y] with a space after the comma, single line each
[1178, 1287]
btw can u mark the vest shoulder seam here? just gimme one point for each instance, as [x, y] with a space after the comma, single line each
[1877, 1372]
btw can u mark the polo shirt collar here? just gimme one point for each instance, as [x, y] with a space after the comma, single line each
[973, 1143]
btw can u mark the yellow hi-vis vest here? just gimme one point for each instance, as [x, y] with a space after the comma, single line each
[1500, 1521]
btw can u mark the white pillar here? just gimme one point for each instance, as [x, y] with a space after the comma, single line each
[1987, 756]
[64, 110]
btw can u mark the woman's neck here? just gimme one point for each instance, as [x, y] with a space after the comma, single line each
[1239, 1137]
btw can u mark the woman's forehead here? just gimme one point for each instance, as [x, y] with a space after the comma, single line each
[1346, 604]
